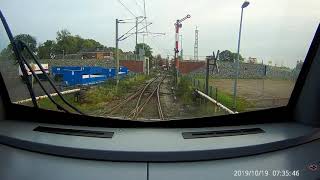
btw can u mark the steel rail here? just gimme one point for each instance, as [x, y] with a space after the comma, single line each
[161, 116]
[140, 108]
[140, 97]
[113, 109]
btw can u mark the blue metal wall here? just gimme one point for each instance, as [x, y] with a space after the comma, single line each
[77, 75]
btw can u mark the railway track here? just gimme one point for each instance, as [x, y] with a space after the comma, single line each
[143, 96]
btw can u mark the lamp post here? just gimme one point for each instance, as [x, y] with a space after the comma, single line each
[244, 5]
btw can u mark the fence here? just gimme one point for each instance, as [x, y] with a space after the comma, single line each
[252, 100]
[264, 103]
[201, 85]
[131, 57]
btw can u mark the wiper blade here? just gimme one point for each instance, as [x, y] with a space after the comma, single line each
[18, 47]
[17, 54]
[24, 45]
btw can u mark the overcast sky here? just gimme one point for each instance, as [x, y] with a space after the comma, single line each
[277, 30]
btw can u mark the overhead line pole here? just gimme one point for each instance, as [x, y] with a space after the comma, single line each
[136, 49]
[117, 51]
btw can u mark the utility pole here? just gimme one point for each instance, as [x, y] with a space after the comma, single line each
[196, 47]
[117, 52]
[123, 37]
[136, 49]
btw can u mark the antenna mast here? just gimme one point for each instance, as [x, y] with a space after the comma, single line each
[196, 56]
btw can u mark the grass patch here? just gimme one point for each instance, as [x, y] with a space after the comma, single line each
[99, 95]
[227, 100]
[192, 105]
[47, 104]
[223, 97]
[109, 91]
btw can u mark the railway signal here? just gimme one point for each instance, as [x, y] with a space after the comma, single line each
[178, 25]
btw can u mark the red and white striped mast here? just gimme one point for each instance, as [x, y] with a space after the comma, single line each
[178, 25]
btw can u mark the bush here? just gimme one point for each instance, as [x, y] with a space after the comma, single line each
[185, 90]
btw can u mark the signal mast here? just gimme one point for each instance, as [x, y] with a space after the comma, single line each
[178, 25]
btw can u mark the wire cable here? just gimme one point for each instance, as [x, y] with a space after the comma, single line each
[18, 56]
[59, 107]
[127, 8]
[24, 45]
[129, 30]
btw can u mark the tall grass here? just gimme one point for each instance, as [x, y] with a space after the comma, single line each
[185, 90]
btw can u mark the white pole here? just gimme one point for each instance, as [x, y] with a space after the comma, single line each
[244, 5]
[216, 102]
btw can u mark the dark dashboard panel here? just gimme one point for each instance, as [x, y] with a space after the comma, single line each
[279, 164]
[18, 164]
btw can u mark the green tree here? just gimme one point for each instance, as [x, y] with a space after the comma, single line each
[73, 44]
[26, 38]
[7, 53]
[158, 57]
[47, 48]
[29, 40]
[147, 49]
[90, 45]
[66, 42]
[227, 55]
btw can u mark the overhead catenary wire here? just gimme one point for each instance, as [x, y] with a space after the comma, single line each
[145, 14]
[156, 45]
[129, 30]
[139, 5]
[126, 8]
[130, 34]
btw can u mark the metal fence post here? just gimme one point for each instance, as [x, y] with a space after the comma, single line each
[216, 94]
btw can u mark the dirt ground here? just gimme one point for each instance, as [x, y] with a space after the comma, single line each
[264, 93]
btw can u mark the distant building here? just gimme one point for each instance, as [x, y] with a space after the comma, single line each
[99, 53]
[252, 60]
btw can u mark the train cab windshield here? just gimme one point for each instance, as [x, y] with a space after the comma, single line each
[151, 61]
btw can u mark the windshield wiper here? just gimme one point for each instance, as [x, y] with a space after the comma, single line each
[18, 46]
[17, 54]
